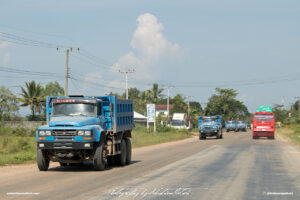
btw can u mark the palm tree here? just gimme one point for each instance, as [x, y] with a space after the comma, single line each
[156, 92]
[32, 96]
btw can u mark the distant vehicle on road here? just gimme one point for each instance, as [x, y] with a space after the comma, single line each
[241, 125]
[210, 126]
[231, 125]
[81, 128]
[180, 121]
[264, 124]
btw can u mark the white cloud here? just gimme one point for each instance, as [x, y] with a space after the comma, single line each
[6, 58]
[149, 46]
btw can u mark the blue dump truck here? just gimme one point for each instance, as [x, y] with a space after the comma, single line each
[210, 126]
[231, 126]
[242, 125]
[85, 128]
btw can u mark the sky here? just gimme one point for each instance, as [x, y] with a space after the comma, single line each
[192, 46]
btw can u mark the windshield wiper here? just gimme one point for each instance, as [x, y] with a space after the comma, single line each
[62, 115]
[78, 114]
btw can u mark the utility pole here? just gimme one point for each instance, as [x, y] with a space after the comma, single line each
[67, 51]
[189, 99]
[126, 72]
[168, 101]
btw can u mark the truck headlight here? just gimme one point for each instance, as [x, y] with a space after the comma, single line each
[42, 133]
[88, 133]
[84, 133]
[80, 133]
[48, 133]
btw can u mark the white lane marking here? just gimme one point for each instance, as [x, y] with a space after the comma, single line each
[22, 193]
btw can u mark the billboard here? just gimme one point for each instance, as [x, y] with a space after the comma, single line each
[150, 112]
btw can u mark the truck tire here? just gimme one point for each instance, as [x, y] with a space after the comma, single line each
[121, 158]
[254, 137]
[42, 160]
[219, 134]
[99, 158]
[227, 130]
[128, 150]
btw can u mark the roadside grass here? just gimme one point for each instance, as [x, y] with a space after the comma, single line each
[18, 145]
[17, 149]
[292, 134]
[140, 136]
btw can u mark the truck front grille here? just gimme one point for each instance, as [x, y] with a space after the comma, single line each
[64, 138]
[64, 132]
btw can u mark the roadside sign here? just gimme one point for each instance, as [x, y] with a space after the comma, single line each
[150, 112]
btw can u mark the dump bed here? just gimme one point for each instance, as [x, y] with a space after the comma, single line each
[118, 113]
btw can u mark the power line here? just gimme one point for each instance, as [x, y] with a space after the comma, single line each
[36, 73]
[8, 37]
[93, 83]
[35, 32]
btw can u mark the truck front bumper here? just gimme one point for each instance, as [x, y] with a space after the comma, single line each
[65, 145]
[208, 133]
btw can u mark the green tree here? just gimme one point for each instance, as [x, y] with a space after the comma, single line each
[224, 103]
[178, 104]
[53, 89]
[195, 111]
[133, 93]
[32, 96]
[157, 93]
[280, 113]
[8, 103]
[195, 107]
[147, 96]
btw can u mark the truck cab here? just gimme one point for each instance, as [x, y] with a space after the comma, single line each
[210, 126]
[241, 125]
[180, 121]
[231, 125]
[85, 128]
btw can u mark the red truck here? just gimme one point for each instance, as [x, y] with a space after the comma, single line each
[263, 125]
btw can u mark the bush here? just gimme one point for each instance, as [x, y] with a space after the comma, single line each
[18, 131]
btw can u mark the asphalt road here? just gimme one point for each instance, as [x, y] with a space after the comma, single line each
[235, 167]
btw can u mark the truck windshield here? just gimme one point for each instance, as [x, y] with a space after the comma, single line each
[263, 117]
[74, 109]
[209, 120]
[177, 123]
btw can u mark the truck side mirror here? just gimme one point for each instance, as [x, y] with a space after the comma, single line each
[111, 107]
[99, 109]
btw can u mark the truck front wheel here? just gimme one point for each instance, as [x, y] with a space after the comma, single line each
[128, 150]
[42, 160]
[99, 158]
[121, 158]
